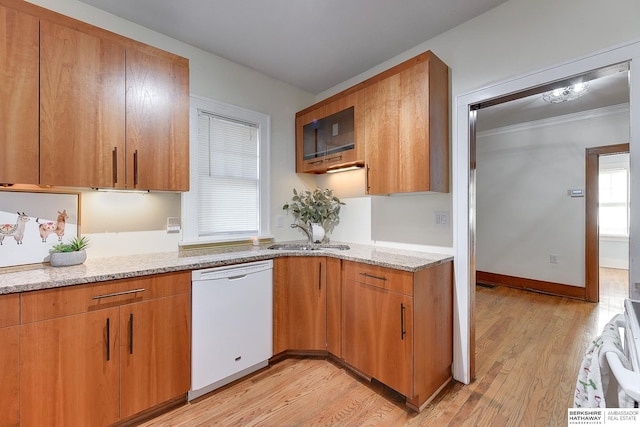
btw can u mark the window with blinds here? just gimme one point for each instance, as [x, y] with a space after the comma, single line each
[228, 199]
[228, 176]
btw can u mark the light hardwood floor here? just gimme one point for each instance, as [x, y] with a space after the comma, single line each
[529, 349]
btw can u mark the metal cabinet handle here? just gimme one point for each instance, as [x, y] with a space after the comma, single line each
[334, 158]
[373, 277]
[108, 341]
[366, 179]
[316, 162]
[135, 168]
[130, 333]
[403, 331]
[320, 277]
[115, 164]
[117, 294]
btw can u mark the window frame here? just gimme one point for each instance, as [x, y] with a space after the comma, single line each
[190, 232]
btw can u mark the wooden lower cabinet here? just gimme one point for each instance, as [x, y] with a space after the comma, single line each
[397, 327]
[155, 367]
[10, 360]
[378, 334]
[70, 371]
[299, 304]
[92, 355]
[392, 325]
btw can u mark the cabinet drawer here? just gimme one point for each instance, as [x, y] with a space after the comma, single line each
[381, 277]
[52, 303]
[9, 310]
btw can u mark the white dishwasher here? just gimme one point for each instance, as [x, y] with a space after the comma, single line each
[232, 324]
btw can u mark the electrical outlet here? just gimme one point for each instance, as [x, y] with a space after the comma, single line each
[441, 218]
[173, 224]
[279, 221]
[553, 259]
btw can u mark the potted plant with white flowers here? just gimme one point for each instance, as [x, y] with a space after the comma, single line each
[317, 211]
[71, 253]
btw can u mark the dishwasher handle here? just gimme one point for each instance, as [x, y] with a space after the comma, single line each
[231, 272]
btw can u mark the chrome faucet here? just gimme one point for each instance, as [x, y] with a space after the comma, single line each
[307, 232]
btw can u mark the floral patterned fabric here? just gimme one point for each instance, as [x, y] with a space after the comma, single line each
[596, 386]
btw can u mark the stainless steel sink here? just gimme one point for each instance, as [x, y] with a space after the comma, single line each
[306, 247]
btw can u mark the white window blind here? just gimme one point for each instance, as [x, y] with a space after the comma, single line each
[614, 202]
[228, 198]
[228, 176]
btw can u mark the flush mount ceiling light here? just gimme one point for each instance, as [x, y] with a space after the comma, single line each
[564, 94]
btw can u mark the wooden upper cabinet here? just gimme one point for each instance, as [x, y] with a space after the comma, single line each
[331, 134]
[19, 97]
[407, 128]
[157, 120]
[85, 107]
[82, 88]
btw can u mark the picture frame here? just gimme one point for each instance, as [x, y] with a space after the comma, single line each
[33, 221]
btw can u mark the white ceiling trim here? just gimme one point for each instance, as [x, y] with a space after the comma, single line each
[552, 121]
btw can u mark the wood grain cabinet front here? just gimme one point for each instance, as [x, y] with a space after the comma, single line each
[98, 354]
[397, 327]
[111, 115]
[82, 114]
[10, 360]
[85, 107]
[157, 120]
[19, 47]
[407, 128]
[299, 304]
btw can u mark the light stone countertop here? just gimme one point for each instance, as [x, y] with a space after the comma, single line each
[43, 276]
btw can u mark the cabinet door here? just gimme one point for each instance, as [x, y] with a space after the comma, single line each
[10, 376]
[334, 305]
[19, 95]
[381, 135]
[378, 334]
[69, 370]
[309, 149]
[407, 128]
[81, 108]
[300, 304]
[157, 109]
[155, 352]
[10, 360]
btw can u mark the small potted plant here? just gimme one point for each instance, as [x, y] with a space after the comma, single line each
[71, 253]
[318, 211]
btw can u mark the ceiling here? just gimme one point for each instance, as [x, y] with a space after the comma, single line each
[607, 87]
[311, 44]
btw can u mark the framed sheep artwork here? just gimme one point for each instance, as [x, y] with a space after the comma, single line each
[31, 223]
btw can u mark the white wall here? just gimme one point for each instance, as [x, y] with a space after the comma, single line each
[524, 214]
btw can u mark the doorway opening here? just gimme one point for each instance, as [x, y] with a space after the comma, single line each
[607, 224]
[527, 99]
